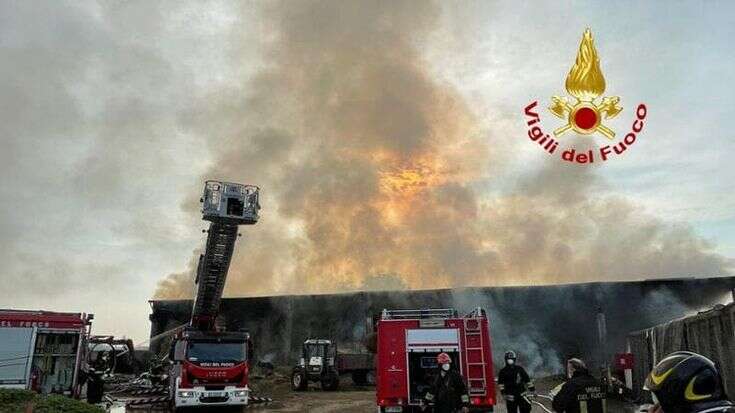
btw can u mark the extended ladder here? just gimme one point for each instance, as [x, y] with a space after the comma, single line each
[212, 271]
[226, 205]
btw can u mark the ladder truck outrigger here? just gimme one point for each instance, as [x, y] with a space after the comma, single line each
[210, 367]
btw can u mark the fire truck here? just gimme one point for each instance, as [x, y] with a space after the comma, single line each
[43, 350]
[210, 367]
[410, 340]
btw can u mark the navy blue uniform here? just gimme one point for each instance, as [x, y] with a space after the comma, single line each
[581, 394]
[513, 382]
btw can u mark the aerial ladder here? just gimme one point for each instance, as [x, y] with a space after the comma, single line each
[210, 367]
[226, 206]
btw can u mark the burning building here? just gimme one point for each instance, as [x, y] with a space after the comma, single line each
[544, 324]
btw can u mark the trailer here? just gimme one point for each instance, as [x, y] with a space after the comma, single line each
[43, 350]
[407, 345]
[360, 366]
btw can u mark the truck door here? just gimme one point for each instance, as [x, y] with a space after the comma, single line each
[422, 346]
[16, 356]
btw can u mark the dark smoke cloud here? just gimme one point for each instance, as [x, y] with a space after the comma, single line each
[519, 328]
[375, 170]
[548, 324]
[355, 145]
[370, 165]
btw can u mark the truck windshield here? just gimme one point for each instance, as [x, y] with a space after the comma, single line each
[315, 351]
[222, 352]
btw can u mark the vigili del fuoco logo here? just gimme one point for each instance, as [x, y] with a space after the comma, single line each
[585, 112]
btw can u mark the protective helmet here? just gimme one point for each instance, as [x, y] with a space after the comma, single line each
[443, 358]
[510, 355]
[683, 379]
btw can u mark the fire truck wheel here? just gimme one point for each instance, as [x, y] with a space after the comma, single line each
[298, 381]
[359, 378]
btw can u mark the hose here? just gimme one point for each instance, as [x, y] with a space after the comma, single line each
[532, 400]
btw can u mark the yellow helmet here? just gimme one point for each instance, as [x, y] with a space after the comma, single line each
[683, 380]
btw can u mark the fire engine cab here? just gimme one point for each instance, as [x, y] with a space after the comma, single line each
[43, 350]
[410, 340]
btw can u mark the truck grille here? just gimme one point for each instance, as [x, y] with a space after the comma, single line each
[220, 399]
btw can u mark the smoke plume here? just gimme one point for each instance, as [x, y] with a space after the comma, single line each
[370, 164]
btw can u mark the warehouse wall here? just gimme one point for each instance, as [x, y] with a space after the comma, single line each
[544, 324]
[710, 333]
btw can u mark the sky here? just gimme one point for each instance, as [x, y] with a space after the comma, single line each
[388, 138]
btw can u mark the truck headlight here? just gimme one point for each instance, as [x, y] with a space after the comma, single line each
[240, 393]
[186, 394]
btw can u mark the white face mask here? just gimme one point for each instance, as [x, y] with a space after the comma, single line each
[446, 367]
[510, 362]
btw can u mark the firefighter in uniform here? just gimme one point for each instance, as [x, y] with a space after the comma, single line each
[686, 382]
[448, 392]
[95, 378]
[582, 393]
[514, 384]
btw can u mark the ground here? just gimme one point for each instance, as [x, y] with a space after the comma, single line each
[350, 398]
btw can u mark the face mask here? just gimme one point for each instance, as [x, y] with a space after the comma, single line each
[445, 367]
[510, 362]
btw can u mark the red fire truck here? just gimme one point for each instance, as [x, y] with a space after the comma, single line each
[410, 340]
[43, 350]
[210, 366]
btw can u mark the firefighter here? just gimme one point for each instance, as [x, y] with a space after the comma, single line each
[448, 392]
[686, 382]
[96, 372]
[95, 385]
[515, 384]
[581, 393]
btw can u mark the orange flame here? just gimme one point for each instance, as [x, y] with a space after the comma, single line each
[402, 182]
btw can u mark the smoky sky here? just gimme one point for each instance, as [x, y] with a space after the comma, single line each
[369, 166]
[90, 156]
[376, 171]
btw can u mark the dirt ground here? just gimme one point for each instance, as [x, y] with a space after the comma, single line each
[357, 399]
[349, 398]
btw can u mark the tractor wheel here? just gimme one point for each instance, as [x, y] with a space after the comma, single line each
[299, 381]
[359, 378]
[330, 383]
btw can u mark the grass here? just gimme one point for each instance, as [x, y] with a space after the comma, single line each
[12, 401]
